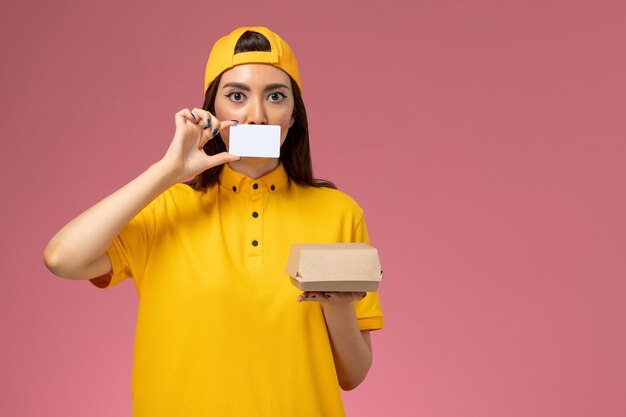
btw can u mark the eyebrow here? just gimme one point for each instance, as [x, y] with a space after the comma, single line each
[246, 88]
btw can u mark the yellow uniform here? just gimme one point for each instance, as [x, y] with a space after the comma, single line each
[219, 331]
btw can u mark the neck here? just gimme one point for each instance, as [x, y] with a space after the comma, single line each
[254, 167]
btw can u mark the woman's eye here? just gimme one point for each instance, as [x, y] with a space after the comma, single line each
[277, 97]
[235, 96]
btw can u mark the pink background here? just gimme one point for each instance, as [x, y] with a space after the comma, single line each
[484, 140]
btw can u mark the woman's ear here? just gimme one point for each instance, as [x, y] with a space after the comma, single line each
[293, 120]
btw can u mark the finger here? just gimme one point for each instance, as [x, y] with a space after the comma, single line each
[204, 139]
[210, 161]
[222, 158]
[217, 126]
[314, 295]
[183, 116]
[206, 136]
[210, 122]
[306, 296]
[361, 295]
[204, 117]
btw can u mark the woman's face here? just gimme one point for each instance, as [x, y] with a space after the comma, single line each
[255, 94]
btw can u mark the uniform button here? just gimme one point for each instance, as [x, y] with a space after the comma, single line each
[255, 243]
[272, 187]
[255, 214]
[255, 185]
[234, 188]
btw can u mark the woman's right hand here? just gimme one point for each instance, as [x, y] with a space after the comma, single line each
[185, 158]
[78, 250]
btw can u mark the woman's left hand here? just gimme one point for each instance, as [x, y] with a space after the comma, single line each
[334, 297]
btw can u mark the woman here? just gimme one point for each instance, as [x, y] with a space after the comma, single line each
[205, 236]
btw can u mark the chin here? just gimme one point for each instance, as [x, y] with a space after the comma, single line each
[256, 159]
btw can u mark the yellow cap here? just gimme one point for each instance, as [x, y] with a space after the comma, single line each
[223, 57]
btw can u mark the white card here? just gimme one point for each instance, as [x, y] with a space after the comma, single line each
[255, 140]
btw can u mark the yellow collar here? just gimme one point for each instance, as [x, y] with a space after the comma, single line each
[273, 181]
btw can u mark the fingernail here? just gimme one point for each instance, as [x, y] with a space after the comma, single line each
[208, 123]
[193, 115]
[236, 121]
[214, 132]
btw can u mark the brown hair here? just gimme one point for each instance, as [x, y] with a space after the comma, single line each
[295, 153]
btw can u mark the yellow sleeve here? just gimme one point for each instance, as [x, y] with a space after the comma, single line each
[368, 311]
[130, 249]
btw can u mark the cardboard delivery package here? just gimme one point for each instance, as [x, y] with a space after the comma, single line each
[334, 267]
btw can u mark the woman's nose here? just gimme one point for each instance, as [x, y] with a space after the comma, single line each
[256, 113]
